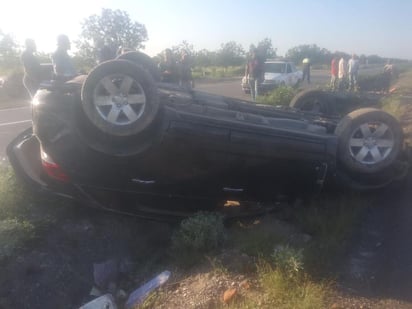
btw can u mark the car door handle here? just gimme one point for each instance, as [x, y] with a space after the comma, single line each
[143, 182]
[228, 189]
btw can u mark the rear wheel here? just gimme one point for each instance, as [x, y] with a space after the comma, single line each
[369, 140]
[314, 101]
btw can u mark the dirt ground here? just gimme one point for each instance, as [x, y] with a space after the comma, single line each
[56, 270]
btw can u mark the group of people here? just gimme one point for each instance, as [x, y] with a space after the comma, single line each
[344, 74]
[172, 71]
[176, 72]
[63, 67]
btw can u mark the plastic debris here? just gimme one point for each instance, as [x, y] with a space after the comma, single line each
[103, 302]
[138, 296]
[95, 292]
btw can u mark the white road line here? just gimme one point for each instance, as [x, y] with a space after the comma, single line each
[12, 123]
[13, 109]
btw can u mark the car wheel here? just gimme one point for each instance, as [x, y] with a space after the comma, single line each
[314, 101]
[143, 60]
[369, 140]
[119, 98]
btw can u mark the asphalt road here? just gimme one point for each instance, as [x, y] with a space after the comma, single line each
[231, 87]
[12, 122]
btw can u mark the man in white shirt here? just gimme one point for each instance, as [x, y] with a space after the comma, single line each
[353, 68]
[343, 72]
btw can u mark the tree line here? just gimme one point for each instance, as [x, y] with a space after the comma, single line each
[115, 29]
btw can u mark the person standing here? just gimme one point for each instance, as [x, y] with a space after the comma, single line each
[342, 73]
[353, 68]
[185, 68]
[334, 70]
[306, 70]
[32, 68]
[168, 68]
[254, 73]
[62, 63]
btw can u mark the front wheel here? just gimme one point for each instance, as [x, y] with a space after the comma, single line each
[369, 140]
[119, 112]
[120, 98]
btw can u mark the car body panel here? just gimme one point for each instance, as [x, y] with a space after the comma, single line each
[199, 151]
[203, 149]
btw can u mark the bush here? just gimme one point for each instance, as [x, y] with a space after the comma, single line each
[202, 233]
[280, 96]
[377, 82]
[288, 260]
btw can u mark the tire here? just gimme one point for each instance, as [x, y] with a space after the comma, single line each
[120, 98]
[143, 60]
[369, 140]
[314, 101]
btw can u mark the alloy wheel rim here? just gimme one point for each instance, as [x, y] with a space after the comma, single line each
[119, 99]
[371, 143]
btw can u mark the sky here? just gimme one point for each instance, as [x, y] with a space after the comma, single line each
[370, 27]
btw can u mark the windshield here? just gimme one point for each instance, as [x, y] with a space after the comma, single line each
[275, 67]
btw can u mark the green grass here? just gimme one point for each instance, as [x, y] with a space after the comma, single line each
[14, 234]
[255, 240]
[218, 72]
[396, 104]
[281, 96]
[23, 216]
[331, 220]
[277, 290]
[15, 229]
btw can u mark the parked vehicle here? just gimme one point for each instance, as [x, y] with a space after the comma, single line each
[276, 73]
[117, 139]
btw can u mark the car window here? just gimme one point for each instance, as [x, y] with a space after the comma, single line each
[289, 69]
[275, 67]
[293, 67]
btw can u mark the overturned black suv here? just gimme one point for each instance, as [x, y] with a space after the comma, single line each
[120, 140]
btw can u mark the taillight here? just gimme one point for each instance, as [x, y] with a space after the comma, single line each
[52, 169]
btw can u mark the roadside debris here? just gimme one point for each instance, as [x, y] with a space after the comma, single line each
[103, 302]
[229, 295]
[105, 275]
[139, 295]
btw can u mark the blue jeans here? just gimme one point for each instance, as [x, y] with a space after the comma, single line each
[353, 80]
[254, 85]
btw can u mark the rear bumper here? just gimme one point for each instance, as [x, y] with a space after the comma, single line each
[24, 156]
